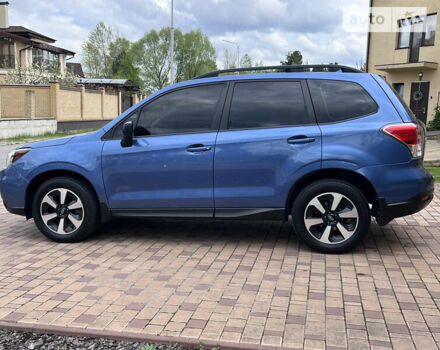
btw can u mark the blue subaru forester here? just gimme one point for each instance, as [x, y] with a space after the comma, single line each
[329, 149]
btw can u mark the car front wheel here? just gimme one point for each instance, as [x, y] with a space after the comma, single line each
[65, 210]
[331, 216]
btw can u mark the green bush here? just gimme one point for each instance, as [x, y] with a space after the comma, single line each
[435, 123]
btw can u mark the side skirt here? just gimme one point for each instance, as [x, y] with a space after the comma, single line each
[219, 213]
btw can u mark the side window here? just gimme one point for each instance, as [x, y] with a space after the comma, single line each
[182, 111]
[336, 101]
[267, 104]
[117, 133]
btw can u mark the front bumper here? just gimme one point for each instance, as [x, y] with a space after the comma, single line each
[385, 212]
[11, 190]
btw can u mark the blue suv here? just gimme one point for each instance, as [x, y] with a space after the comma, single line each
[328, 149]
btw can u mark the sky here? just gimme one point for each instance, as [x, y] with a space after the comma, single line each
[264, 29]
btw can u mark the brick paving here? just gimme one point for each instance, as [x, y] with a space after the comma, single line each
[248, 284]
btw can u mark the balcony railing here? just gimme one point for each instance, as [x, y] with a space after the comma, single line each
[7, 61]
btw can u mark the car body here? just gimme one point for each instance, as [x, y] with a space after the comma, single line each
[239, 164]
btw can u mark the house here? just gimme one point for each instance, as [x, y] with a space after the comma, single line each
[75, 69]
[22, 47]
[408, 57]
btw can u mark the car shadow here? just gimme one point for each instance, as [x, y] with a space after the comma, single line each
[201, 231]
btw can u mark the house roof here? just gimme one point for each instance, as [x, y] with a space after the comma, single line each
[17, 36]
[27, 33]
[52, 48]
[122, 82]
[75, 68]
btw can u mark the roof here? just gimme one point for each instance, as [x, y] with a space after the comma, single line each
[75, 68]
[30, 40]
[124, 82]
[27, 33]
[52, 48]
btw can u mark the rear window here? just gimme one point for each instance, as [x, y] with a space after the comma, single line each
[336, 101]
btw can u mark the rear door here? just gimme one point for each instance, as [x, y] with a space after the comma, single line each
[268, 140]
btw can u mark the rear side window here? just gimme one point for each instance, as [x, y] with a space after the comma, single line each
[336, 101]
[267, 104]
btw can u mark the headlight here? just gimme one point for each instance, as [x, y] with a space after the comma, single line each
[16, 155]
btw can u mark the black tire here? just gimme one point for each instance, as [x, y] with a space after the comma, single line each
[86, 217]
[334, 228]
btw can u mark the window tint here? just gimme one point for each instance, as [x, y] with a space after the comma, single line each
[267, 105]
[117, 133]
[182, 111]
[340, 100]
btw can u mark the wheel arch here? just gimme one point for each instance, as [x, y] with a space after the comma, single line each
[50, 174]
[350, 176]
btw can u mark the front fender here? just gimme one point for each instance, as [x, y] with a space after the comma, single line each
[93, 175]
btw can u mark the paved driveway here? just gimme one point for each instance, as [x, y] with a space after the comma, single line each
[240, 283]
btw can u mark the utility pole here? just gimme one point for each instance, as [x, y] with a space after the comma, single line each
[172, 44]
[238, 50]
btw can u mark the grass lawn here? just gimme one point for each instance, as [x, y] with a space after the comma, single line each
[25, 139]
[434, 171]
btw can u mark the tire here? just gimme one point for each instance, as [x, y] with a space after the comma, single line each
[327, 228]
[70, 220]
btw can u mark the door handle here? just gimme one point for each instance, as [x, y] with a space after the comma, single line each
[198, 148]
[300, 139]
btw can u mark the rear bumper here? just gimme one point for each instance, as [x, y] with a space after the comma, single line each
[385, 212]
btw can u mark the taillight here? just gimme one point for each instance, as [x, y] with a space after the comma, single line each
[410, 134]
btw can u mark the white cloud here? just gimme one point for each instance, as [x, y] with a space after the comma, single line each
[265, 29]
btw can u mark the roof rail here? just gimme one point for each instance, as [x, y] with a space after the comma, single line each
[285, 69]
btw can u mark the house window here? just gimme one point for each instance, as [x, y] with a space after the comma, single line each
[7, 56]
[399, 87]
[429, 35]
[44, 58]
[404, 33]
[420, 31]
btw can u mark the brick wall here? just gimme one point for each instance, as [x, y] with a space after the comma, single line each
[64, 104]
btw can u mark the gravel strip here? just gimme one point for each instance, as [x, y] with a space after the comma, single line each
[17, 340]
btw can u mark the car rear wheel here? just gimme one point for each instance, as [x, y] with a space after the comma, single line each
[65, 210]
[331, 216]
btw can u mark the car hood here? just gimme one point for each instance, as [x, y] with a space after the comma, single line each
[50, 142]
[88, 136]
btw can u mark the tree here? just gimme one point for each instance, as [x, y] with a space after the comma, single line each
[229, 59]
[195, 55]
[246, 61]
[292, 58]
[123, 67]
[320, 69]
[97, 60]
[151, 56]
[40, 74]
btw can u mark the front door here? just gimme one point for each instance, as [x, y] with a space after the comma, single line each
[170, 165]
[419, 99]
[270, 139]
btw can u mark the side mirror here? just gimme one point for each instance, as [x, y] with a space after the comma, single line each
[127, 134]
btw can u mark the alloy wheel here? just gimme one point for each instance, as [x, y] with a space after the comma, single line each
[331, 218]
[62, 211]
